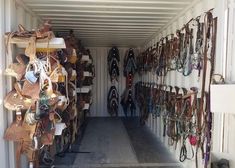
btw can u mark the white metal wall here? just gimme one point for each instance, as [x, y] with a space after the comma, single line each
[224, 124]
[102, 80]
[12, 13]
[174, 78]
[3, 115]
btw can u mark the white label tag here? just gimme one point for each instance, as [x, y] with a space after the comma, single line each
[18, 113]
[62, 100]
[74, 73]
[64, 72]
[59, 127]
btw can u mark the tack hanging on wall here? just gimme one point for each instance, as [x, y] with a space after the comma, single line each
[192, 49]
[113, 101]
[113, 60]
[130, 68]
[113, 63]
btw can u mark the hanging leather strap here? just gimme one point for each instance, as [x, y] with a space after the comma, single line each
[201, 115]
[30, 50]
[209, 114]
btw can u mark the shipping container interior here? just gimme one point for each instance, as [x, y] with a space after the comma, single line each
[136, 24]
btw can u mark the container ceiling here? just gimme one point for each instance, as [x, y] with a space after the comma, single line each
[108, 22]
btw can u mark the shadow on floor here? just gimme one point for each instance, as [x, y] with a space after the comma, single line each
[148, 148]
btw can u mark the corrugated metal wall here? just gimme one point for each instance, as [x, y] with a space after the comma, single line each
[223, 134]
[3, 116]
[175, 78]
[102, 23]
[12, 14]
[102, 80]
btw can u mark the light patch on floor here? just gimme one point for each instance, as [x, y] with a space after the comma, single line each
[108, 143]
[118, 143]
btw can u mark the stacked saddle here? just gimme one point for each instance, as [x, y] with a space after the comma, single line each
[43, 98]
[113, 101]
[130, 69]
[113, 62]
[130, 66]
[113, 68]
